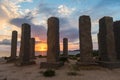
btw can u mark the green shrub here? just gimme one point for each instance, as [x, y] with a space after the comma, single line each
[49, 73]
[95, 53]
[63, 59]
[77, 55]
[73, 57]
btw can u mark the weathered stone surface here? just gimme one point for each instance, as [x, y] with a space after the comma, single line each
[25, 44]
[116, 29]
[32, 48]
[98, 37]
[106, 39]
[13, 45]
[53, 40]
[85, 39]
[65, 47]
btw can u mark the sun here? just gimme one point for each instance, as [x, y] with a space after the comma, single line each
[41, 47]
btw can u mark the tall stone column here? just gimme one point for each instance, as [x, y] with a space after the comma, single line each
[53, 40]
[116, 29]
[106, 39]
[13, 45]
[99, 45]
[85, 39]
[65, 47]
[32, 48]
[25, 44]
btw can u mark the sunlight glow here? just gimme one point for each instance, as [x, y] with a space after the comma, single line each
[41, 47]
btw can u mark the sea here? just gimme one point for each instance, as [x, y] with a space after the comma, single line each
[43, 53]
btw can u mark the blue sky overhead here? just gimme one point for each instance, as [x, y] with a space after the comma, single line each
[36, 12]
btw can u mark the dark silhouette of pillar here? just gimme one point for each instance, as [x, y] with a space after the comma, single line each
[85, 39]
[65, 47]
[25, 44]
[13, 45]
[53, 40]
[32, 48]
[116, 29]
[106, 39]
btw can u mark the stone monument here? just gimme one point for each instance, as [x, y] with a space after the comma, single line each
[32, 48]
[65, 47]
[53, 44]
[13, 46]
[24, 57]
[106, 41]
[85, 38]
[116, 29]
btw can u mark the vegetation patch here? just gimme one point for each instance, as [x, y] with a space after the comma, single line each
[49, 73]
[63, 59]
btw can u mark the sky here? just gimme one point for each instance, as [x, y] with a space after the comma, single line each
[13, 13]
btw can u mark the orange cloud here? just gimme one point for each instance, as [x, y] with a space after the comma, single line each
[71, 46]
[41, 47]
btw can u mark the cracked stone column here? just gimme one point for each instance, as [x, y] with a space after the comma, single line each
[32, 48]
[116, 29]
[65, 47]
[25, 44]
[106, 39]
[13, 45]
[53, 40]
[85, 39]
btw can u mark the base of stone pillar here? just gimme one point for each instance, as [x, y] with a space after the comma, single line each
[25, 63]
[107, 64]
[87, 64]
[11, 60]
[49, 65]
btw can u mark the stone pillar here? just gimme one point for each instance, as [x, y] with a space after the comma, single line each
[25, 44]
[106, 39]
[32, 48]
[13, 45]
[85, 39]
[53, 40]
[116, 29]
[65, 47]
[99, 45]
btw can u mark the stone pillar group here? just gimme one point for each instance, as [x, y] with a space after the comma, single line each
[53, 40]
[106, 39]
[13, 45]
[85, 39]
[25, 44]
[108, 42]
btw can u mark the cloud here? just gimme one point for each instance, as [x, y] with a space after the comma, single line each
[9, 9]
[44, 11]
[37, 30]
[65, 11]
[71, 34]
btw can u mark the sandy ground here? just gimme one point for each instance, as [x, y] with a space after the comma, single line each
[32, 72]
